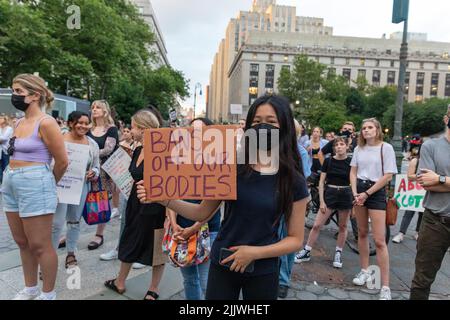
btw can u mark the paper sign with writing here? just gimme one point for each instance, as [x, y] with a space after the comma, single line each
[70, 186]
[117, 168]
[183, 163]
[409, 194]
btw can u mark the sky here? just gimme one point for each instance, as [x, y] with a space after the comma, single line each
[193, 29]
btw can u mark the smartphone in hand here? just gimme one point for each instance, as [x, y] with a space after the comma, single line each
[225, 253]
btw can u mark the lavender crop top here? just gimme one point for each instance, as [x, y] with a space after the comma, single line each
[32, 148]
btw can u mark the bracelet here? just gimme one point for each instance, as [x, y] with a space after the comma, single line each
[368, 195]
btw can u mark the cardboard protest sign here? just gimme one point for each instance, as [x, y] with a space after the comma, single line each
[190, 163]
[409, 194]
[70, 187]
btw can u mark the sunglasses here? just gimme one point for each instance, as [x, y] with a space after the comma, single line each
[11, 147]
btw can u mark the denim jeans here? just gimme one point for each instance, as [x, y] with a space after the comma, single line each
[287, 261]
[195, 278]
[3, 164]
[71, 214]
[407, 217]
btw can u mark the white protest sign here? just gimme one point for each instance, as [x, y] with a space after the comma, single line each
[117, 168]
[409, 194]
[70, 186]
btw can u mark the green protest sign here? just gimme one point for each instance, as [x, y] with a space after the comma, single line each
[409, 194]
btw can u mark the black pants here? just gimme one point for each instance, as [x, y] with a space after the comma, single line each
[224, 284]
[432, 245]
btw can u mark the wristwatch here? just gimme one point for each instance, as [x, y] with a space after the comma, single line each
[442, 179]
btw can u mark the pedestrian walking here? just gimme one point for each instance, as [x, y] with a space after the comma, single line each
[434, 233]
[249, 229]
[106, 134]
[373, 166]
[78, 124]
[29, 185]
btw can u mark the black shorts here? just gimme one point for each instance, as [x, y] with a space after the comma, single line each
[338, 199]
[376, 201]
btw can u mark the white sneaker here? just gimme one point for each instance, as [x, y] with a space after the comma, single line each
[337, 263]
[22, 295]
[42, 297]
[362, 278]
[114, 213]
[137, 265]
[385, 293]
[398, 238]
[111, 255]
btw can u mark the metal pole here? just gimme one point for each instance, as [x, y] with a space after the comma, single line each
[397, 140]
[195, 99]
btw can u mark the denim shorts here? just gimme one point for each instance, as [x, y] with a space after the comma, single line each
[31, 191]
[376, 201]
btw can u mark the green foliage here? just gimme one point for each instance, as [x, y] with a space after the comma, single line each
[108, 58]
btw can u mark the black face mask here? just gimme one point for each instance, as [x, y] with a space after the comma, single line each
[346, 134]
[264, 132]
[19, 102]
[448, 123]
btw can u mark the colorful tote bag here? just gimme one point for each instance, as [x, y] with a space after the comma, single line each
[96, 208]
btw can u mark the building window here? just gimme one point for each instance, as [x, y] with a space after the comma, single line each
[376, 77]
[436, 66]
[419, 84]
[362, 62]
[447, 85]
[377, 63]
[286, 58]
[332, 60]
[270, 75]
[421, 65]
[252, 95]
[254, 75]
[288, 68]
[392, 63]
[434, 84]
[407, 80]
[255, 56]
[347, 74]
[347, 61]
[362, 73]
[391, 78]
[331, 72]
[270, 57]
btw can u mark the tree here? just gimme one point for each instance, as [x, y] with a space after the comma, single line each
[303, 83]
[379, 101]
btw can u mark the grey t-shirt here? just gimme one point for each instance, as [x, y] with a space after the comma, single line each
[435, 156]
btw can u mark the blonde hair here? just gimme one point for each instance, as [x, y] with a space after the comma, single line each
[34, 84]
[6, 118]
[380, 136]
[320, 130]
[104, 105]
[298, 128]
[145, 119]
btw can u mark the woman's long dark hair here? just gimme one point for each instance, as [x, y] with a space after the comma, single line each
[290, 165]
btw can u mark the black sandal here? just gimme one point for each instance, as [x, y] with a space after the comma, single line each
[111, 285]
[71, 263]
[95, 245]
[152, 294]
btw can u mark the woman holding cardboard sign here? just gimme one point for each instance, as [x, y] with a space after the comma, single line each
[245, 253]
[141, 239]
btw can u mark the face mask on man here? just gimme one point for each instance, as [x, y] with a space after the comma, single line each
[346, 133]
[19, 102]
[264, 133]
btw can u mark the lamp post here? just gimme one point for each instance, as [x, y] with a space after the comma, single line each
[197, 86]
[400, 14]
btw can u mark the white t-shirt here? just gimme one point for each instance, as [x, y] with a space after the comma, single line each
[368, 161]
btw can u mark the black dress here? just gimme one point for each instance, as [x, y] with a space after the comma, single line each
[144, 225]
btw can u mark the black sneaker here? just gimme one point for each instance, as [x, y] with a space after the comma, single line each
[303, 256]
[283, 292]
